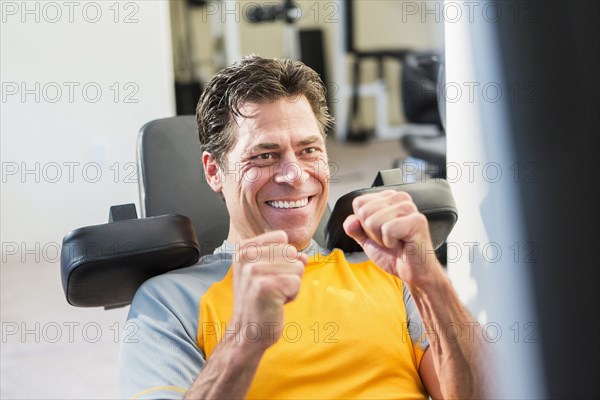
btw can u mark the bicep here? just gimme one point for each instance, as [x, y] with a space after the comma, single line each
[429, 376]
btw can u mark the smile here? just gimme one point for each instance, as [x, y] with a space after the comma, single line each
[289, 204]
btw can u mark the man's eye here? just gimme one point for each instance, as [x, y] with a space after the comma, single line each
[264, 156]
[310, 150]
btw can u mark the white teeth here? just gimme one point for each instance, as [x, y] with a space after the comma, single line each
[289, 204]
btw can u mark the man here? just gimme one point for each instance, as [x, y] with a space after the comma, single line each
[273, 315]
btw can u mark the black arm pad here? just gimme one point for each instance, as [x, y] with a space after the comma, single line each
[103, 265]
[432, 198]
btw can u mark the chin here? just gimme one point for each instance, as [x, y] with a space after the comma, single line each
[299, 240]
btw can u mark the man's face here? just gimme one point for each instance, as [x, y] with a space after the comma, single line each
[277, 173]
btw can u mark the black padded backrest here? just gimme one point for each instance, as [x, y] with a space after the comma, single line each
[172, 181]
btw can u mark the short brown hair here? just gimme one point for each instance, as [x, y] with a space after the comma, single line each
[254, 79]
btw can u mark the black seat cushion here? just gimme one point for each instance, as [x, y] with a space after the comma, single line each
[103, 265]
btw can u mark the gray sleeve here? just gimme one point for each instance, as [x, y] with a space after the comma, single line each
[161, 359]
[415, 326]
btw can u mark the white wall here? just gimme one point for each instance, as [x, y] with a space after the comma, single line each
[45, 130]
[65, 139]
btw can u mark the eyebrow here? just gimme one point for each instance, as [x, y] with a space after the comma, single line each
[275, 146]
[264, 146]
[308, 140]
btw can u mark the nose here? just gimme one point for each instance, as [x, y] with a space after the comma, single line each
[290, 171]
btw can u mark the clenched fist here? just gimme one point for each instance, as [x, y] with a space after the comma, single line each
[395, 236]
[267, 271]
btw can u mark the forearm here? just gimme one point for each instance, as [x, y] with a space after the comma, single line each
[228, 373]
[457, 345]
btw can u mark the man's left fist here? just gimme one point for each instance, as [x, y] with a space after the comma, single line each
[394, 234]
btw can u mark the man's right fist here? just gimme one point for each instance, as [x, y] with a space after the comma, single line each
[267, 272]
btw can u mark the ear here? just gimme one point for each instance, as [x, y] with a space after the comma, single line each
[212, 173]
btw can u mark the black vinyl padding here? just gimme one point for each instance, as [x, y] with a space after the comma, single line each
[172, 179]
[433, 199]
[103, 265]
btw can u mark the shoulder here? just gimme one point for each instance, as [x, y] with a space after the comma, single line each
[179, 291]
[208, 270]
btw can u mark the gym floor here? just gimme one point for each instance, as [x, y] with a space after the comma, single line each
[51, 350]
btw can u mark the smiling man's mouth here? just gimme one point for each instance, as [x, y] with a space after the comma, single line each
[289, 204]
